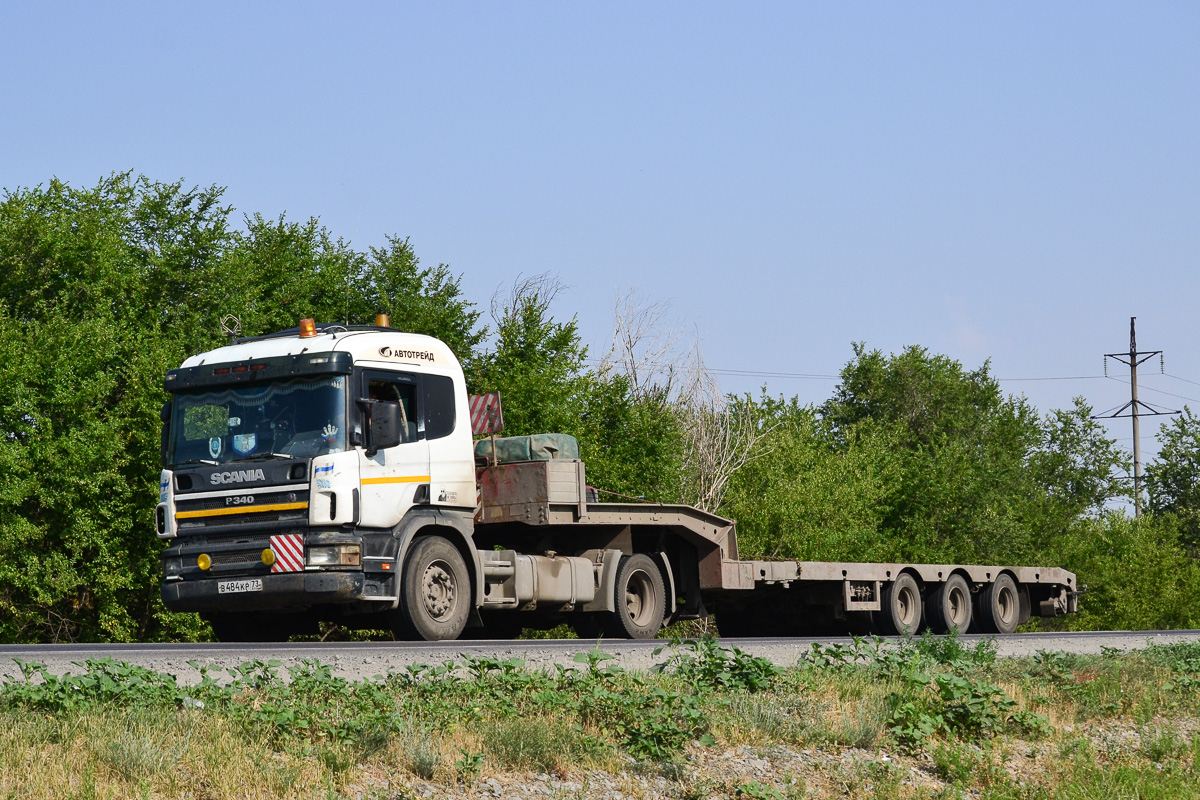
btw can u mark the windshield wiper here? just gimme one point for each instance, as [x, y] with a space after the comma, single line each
[262, 456]
[197, 461]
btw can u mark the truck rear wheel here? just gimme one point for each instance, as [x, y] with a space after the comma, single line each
[949, 606]
[640, 599]
[999, 606]
[436, 590]
[900, 612]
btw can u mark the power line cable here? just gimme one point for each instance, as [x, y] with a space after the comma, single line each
[1152, 389]
[1062, 378]
[1185, 380]
[751, 373]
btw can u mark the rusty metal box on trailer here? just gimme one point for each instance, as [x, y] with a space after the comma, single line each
[527, 491]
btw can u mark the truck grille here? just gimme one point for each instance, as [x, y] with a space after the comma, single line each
[248, 558]
[204, 512]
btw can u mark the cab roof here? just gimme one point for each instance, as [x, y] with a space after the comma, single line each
[365, 344]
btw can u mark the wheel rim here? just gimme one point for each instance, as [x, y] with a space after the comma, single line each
[639, 598]
[957, 605]
[906, 606]
[438, 590]
[1006, 604]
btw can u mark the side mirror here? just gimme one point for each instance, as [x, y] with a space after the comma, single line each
[384, 429]
[164, 439]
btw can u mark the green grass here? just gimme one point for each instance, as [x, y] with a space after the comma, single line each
[930, 719]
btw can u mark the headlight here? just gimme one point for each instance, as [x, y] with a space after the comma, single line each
[337, 555]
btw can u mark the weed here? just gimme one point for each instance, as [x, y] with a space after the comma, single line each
[421, 756]
[949, 651]
[953, 705]
[1182, 657]
[120, 731]
[881, 778]
[139, 748]
[859, 727]
[956, 763]
[335, 759]
[758, 791]
[705, 664]
[776, 718]
[1161, 744]
[1030, 724]
[468, 766]
[594, 658]
[525, 744]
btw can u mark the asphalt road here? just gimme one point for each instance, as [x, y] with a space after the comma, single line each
[358, 660]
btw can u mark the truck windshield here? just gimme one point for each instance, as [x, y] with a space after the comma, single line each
[298, 418]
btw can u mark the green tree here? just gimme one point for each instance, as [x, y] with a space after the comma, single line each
[807, 497]
[537, 363]
[1077, 463]
[419, 299]
[962, 449]
[1173, 479]
[281, 271]
[100, 292]
[1137, 573]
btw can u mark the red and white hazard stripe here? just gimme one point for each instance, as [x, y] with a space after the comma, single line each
[289, 552]
[486, 413]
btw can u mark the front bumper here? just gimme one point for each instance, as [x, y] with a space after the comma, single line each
[290, 591]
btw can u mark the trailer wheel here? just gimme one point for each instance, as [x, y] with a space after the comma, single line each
[999, 606]
[900, 614]
[641, 599]
[436, 590]
[949, 606]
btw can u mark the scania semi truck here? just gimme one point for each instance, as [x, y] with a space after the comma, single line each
[330, 473]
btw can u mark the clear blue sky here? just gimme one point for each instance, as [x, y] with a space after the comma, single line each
[1009, 181]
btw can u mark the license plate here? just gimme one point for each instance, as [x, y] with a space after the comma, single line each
[228, 587]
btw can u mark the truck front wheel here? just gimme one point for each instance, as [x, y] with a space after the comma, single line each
[641, 599]
[436, 590]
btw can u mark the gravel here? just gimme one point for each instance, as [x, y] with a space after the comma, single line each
[361, 660]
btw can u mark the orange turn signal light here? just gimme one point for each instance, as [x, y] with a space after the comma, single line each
[308, 328]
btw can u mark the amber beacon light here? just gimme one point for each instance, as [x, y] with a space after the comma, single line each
[382, 321]
[308, 328]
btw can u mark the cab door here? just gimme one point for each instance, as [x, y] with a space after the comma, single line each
[390, 477]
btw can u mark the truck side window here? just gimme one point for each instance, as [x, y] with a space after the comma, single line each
[386, 391]
[438, 406]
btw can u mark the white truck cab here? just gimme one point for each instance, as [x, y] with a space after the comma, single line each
[310, 449]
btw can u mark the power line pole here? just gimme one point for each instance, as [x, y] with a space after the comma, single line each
[1135, 407]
